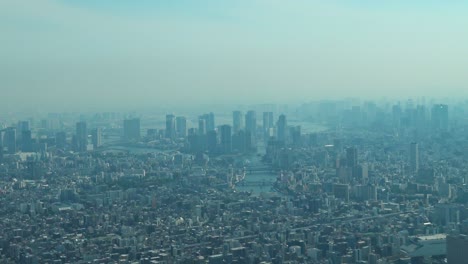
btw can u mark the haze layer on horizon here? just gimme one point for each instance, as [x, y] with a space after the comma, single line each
[115, 53]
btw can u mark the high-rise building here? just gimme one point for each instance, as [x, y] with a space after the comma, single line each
[351, 157]
[267, 120]
[26, 141]
[170, 126]
[282, 129]
[439, 117]
[251, 122]
[226, 139]
[251, 127]
[181, 126]
[267, 124]
[81, 136]
[132, 129]
[414, 157]
[201, 126]
[239, 142]
[209, 120]
[237, 121]
[22, 126]
[295, 135]
[96, 137]
[211, 138]
[9, 140]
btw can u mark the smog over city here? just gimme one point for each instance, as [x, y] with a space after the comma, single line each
[209, 131]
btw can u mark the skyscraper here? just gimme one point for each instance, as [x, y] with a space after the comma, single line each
[96, 137]
[209, 121]
[132, 129]
[282, 129]
[414, 157]
[81, 136]
[267, 124]
[251, 122]
[239, 143]
[351, 157]
[211, 139]
[201, 126]
[237, 121]
[251, 126]
[226, 139]
[22, 126]
[439, 117]
[267, 120]
[295, 135]
[181, 126]
[26, 141]
[9, 140]
[170, 126]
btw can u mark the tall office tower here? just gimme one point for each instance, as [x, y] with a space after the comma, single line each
[209, 121]
[61, 140]
[456, 249]
[193, 141]
[9, 140]
[170, 126]
[351, 157]
[439, 117]
[132, 129]
[267, 124]
[239, 142]
[226, 139]
[282, 129]
[81, 136]
[267, 120]
[237, 121]
[181, 126]
[22, 126]
[251, 122]
[251, 126]
[96, 137]
[414, 157]
[26, 141]
[201, 126]
[295, 135]
[212, 141]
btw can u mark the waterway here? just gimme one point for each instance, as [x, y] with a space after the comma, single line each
[258, 182]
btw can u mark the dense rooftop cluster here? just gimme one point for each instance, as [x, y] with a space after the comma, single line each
[376, 187]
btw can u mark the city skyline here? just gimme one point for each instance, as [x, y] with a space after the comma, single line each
[231, 132]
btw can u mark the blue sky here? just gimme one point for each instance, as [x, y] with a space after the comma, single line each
[60, 53]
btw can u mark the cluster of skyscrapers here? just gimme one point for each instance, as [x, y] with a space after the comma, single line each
[240, 137]
[243, 135]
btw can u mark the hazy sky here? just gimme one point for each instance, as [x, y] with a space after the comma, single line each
[128, 53]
